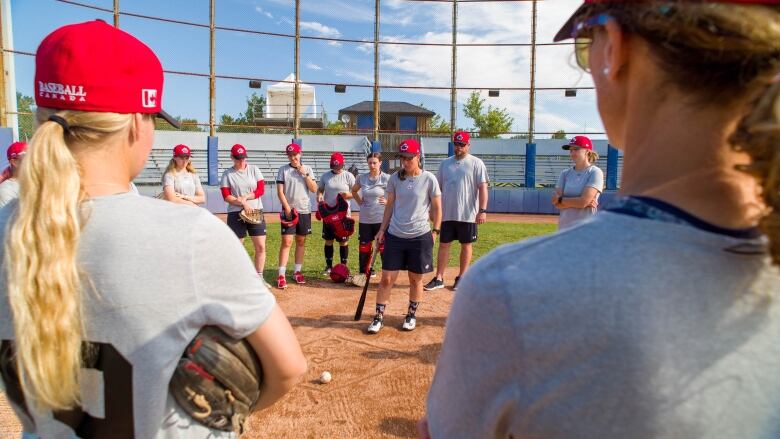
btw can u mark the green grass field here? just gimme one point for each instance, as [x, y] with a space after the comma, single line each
[491, 235]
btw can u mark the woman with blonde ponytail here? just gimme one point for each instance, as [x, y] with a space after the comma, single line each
[181, 183]
[102, 290]
[658, 317]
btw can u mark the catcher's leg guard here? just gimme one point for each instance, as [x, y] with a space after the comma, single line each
[364, 255]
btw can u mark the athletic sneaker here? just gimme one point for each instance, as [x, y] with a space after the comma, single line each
[281, 282]
[434, 284]
[455, 285]
[410, 322]
[299, 279]
[376, 324]
[373, 273]
[326, 272]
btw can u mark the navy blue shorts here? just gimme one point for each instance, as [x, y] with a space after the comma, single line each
[367, 232]
[465, 233]
[303, 227]
[240, 228]
[412, 254]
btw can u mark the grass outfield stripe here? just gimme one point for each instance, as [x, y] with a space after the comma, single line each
[491, 235]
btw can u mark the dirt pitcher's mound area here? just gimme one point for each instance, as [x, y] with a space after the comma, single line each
[379, 381]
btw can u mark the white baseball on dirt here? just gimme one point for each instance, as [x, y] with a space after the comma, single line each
[325, 377]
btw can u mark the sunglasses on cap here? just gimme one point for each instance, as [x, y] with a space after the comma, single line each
[583, 38]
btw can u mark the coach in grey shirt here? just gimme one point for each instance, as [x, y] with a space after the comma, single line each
[464, 184]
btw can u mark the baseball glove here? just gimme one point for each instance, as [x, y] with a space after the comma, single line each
[217, 380]
[253, 217]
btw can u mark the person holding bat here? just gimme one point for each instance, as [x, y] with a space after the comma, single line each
[369, 193]
[242, 185]
[658, 317]
[103, 292]
[413, 196]
[294, 182]
[181, 183]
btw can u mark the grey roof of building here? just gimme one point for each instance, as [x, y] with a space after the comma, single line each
[387, 107]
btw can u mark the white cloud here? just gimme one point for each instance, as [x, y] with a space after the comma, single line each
[313, 66]
[264, 12]
[320, 29]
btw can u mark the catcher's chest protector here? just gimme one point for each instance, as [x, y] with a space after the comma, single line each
[338, 217]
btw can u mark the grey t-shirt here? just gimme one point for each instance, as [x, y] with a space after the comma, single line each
[185, 183]
[295, 189]
[161, 272]
[573, 183]
[241, 183]
[412, 204]
[619, 327]
[371, 212]
[459, 181]
[333, 184]
[9, 191]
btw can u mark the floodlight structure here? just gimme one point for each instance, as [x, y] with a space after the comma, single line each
[493, 93]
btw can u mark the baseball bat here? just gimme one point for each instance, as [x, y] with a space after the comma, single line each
[369, 267]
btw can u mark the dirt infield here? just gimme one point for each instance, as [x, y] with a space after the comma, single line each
[379, 381]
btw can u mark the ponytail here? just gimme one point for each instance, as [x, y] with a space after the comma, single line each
[758, 135]
[45, 284]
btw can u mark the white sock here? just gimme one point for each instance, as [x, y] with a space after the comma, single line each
[298, 267]
[282, 270]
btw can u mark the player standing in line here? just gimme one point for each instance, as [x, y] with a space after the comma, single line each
[181, 183]
[242, 186]
[673, 333]
[464, 198]
[578, 188]
[369, 193]
[125, 279]
[9, 188]
[413, 196]
[332, 184]
[294, 182]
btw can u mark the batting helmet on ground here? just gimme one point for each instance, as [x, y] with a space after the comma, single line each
[339, 273]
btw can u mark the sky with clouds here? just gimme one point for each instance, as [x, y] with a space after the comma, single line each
[186, 48]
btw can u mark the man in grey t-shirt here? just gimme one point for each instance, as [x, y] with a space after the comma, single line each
[464, 185]
[294, 182]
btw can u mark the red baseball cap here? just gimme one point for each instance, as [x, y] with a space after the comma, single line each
[15, 150]
[293, 149]
[461, 137]
[569, 29]
[238, 151]
[579, 142]
[94, 66]
[180, 150]
[336, 159]
[409, 148]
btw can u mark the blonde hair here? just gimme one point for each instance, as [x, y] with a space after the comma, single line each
[45, 284]
[172, 168]
[721, 54]
[593, 156]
